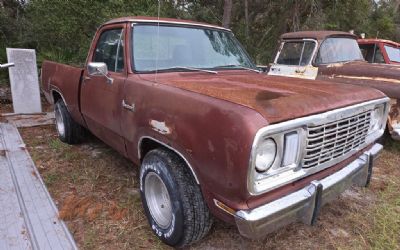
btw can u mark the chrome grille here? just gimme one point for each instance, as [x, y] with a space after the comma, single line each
[329, 141]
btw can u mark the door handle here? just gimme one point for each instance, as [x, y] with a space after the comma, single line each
[127, 106]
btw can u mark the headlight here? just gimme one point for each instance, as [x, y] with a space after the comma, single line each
[376, 118]
[274, 156]
[265, 155]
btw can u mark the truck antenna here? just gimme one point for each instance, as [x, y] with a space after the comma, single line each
[158, 38]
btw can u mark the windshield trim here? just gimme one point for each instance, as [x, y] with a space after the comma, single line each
[297, 40]
[132, 58]
[167, 23]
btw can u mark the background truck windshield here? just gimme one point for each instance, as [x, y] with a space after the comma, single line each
[335, 50]
[393, 53]
[185, 47]
[296, 53]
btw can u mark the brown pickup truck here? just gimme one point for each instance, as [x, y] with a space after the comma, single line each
[212, 136]
[335, 56]
[380, 51]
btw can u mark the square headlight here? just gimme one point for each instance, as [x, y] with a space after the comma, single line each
[377, 116]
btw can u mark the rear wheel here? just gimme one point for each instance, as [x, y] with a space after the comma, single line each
[172, 200]
[68, 130]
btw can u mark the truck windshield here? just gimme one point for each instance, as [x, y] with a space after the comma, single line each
[296, 53]
[176, 48]
[393, 53]
[339, 49]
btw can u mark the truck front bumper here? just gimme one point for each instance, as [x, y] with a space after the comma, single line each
[304, 205]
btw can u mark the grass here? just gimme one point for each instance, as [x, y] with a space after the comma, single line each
[57, 145]
[52, 178]
[385, 232]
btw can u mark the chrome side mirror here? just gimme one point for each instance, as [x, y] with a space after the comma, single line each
[7, 65]
[99, 69]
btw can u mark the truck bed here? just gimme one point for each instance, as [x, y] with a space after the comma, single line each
[57, 78]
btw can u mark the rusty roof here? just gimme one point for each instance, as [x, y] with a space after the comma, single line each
[147, 19]
[374, 40]
[318, 35]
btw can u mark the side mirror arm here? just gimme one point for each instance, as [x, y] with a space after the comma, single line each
[7, 65]
[109, 79]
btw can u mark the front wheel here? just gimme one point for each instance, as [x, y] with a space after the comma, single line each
[172, 200]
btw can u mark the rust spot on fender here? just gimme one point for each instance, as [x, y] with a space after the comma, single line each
[160, 127]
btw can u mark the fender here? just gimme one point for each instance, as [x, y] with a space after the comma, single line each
[169, 147]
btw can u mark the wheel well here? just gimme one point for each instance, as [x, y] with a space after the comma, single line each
[148, 144]
[56, 96]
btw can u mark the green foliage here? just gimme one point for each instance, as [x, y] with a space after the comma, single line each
[63, 30]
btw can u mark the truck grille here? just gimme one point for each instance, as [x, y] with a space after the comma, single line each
[329, 141]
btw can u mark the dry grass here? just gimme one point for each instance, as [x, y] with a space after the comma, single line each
[96, 191]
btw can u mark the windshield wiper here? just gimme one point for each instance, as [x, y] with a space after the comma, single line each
[192, 69]
[239, 67]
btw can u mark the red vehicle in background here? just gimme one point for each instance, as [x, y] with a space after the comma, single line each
[380, 51]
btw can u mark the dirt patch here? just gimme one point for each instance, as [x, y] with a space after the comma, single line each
[96, 191]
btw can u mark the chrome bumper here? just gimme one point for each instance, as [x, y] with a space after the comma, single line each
[304, 205]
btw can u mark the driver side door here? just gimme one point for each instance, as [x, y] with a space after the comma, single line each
[101, 95]
[294, 60]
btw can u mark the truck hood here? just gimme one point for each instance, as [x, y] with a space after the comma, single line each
[384, 77]
[276, 98]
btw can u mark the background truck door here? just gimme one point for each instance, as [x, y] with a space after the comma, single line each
[101, 96]
[294, 60]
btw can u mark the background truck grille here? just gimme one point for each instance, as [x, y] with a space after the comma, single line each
[329, 141]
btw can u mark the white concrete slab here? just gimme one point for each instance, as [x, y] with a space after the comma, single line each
[24, 81]
[28, 215]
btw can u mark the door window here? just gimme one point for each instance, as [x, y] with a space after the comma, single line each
[297, 53]
[372, 53]
[110, 50]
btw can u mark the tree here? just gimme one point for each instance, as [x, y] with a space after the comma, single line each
[226, 20]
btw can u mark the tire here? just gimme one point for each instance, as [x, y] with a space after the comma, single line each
[68, 130]
[172, 200]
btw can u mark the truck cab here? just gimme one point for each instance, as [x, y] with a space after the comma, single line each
[336, 56]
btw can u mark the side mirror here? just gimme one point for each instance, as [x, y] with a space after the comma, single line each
[97, 69]
[7, 65]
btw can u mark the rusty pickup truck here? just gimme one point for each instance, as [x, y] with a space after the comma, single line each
[380, 51]
[335, 56]
[212, 136]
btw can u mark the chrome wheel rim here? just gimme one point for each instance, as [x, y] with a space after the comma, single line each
[59, 122]
[158, 200]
